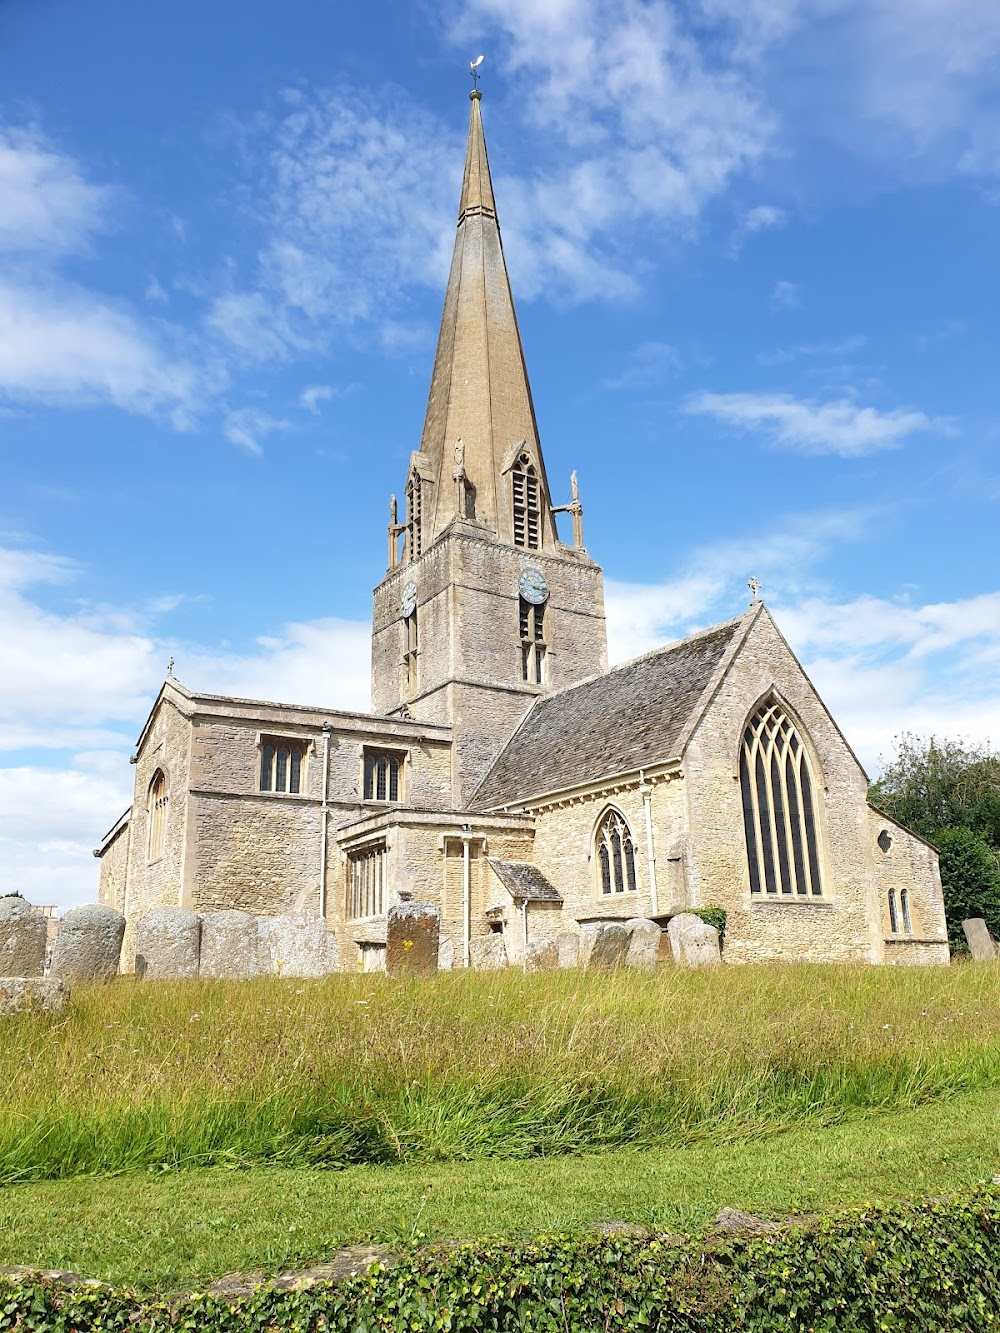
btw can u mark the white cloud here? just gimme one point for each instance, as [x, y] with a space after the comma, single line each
[310, 398]
[786, 295]
[764, 217]
[60, 343]
[836, 427]
[247, 426]
[649, 364]
[45, 203]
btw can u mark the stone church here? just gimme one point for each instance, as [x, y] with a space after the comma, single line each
[506, 775]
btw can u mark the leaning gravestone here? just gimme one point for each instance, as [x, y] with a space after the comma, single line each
[487, 953]
[980, 941]
[296, 945]
[643, 944]
[412, 930]
[568, 944]
[89, 944]
[167, 943]
[32, 995]
[230, 946]
[23, 933]
[609, 949]
[541, 956]
[694, 942]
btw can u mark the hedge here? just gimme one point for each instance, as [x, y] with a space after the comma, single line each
[928, 1266]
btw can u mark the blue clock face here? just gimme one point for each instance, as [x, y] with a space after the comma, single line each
[532, 586]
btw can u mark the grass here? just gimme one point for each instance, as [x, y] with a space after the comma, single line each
[175, 1230]
[362, 1069]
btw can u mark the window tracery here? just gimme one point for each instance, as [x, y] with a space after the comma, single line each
[157, 808]
[779, 813]
[615, 850]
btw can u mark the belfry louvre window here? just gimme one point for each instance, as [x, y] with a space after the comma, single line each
[414, 516]
[615, 854]
[779, 815]
[157, 807]
[366, 881]
[527, 515]
[282, 762]
[532, 627]
[382, 769]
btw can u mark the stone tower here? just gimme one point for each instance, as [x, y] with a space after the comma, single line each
[483, 609]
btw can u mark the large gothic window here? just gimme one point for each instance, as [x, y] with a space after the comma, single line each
[414, 516]
[779, 815]
[527, 515]
[615, 851]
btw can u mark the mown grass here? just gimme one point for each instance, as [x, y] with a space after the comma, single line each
[362, 1069]
[179, 1229]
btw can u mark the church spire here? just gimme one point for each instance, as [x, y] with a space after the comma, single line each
[479, 453]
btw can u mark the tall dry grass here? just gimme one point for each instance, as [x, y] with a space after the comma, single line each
[155, 1075]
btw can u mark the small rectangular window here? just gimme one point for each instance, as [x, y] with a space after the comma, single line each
[531, 623]
[382, 775]
[366, 881]
[282, 764]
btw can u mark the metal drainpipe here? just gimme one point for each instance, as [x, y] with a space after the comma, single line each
[466, 894]
[324, 809]
[524, 930]
[646, 792]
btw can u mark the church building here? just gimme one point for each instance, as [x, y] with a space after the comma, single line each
[505, 774]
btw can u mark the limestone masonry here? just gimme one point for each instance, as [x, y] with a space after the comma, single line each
[510, 799]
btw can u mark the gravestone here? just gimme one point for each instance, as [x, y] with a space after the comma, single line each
[568, 944]
[167, 943]
[487, 953]
[296, 945]
[446, 954]
[412, 932]
[609, 948]
[541, 956]
[89, 944]
[23, 932]
[32, 995]
[643, 944]
[694, 942]
[230, 947]
[980, 941]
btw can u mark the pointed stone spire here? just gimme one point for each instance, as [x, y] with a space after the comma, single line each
[480, 416]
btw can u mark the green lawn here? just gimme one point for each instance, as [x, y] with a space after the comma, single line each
[176, 1229]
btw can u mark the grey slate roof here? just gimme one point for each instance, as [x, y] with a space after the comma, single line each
[623, 720]
[522, 880]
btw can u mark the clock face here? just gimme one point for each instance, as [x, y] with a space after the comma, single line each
[532, 586]
[409, 599]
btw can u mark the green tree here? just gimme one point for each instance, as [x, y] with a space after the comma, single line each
[970, 879]
[937, 784]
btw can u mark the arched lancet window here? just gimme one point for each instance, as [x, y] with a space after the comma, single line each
[615, 851]
[414, 517]
[779, 815]
[527, 515]
[156, 806]
[893, 913]
[904, 902]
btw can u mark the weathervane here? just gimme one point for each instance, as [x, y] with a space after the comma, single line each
[170, 668]
[754, 587]
[474, 71]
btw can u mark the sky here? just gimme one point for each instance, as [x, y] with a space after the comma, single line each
[755, 248]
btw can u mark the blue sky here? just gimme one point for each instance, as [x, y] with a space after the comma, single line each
[755, 246]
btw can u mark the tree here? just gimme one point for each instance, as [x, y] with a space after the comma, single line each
[938, 784]
[970, 879]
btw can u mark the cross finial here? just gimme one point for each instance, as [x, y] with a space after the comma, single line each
[754, 587]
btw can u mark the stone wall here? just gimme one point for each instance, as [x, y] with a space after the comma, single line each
[902, 861]
[114, 866]
[845, 923]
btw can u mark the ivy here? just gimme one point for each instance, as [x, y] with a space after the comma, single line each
[933, 1265]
